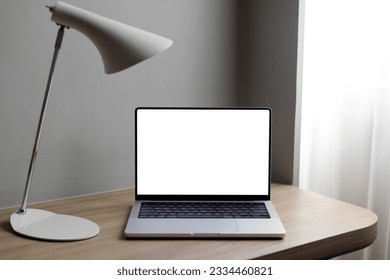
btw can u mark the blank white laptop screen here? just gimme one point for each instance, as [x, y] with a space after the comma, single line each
[202, 151]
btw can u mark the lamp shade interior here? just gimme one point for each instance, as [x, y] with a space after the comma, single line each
[120, 45]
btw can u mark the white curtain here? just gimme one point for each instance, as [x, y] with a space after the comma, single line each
[345, 140]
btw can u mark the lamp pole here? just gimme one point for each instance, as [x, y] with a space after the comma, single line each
[57, 47]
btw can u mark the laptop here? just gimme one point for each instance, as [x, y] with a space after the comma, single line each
[203, 173]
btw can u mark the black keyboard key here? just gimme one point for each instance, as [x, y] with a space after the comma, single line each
[226, 210]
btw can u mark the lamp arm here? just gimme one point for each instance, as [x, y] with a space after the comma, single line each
[57, 47]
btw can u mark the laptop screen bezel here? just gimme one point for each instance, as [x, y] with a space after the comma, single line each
[191, 197]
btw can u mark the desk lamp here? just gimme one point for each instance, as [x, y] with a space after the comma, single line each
[120, 47]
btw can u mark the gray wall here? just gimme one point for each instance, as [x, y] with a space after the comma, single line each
[270, 67]
[220, 57]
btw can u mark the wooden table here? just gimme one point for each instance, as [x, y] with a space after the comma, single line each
[318, 227]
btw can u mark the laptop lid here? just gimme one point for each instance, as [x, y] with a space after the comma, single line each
[202, 153]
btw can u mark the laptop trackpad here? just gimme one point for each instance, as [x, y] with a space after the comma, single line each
[205, 226]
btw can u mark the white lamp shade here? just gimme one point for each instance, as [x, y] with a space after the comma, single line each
[119, 45]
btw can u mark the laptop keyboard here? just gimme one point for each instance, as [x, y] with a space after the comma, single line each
[224, 210]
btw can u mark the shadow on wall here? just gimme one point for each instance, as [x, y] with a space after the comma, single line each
[267, 42]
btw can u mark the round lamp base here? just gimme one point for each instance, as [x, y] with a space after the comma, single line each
[41, 224]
